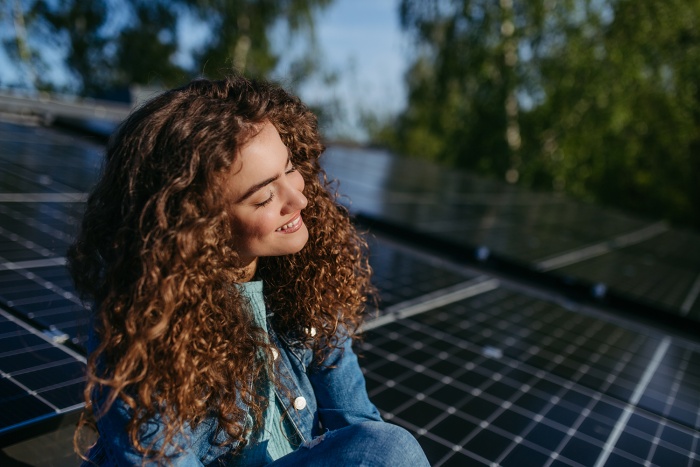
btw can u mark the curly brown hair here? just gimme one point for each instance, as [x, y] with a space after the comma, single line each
[156, 255]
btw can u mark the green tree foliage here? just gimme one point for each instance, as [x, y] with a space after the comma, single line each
[598, 98]
[108, 44]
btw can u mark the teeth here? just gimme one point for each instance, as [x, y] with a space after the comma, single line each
[290, 225]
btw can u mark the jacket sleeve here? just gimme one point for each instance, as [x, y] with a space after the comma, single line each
[114, 447]
[340, 390]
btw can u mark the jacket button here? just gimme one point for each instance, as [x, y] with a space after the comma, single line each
[275, 354]
[300, 403]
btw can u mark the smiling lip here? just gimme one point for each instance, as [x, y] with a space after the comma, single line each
[291, 226]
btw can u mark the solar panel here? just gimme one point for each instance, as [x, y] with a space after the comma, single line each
[508, 378]
[39, 381]
[647, 262]
[482, 370]
[662, 270]
[400, 277]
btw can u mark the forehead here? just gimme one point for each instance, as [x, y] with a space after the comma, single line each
[263, 156]
[264, 145]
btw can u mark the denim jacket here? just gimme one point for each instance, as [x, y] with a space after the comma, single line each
[318, 400]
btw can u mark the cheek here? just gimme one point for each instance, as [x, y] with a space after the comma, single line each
[253, 227]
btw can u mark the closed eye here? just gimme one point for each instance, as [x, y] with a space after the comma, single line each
[267, 201]
[290, 169]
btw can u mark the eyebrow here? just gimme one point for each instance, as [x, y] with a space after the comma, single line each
[257, 187]
[260, 185]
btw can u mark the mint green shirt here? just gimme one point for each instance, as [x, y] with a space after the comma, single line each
[275, 433]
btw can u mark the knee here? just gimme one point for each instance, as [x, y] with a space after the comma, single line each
[393, 443]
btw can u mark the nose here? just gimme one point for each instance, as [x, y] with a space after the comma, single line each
[294, 198]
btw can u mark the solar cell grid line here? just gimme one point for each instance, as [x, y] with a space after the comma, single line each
[627, 361]
[590, 251]
[65, 213]
[37, 279]
[35, 263]
[691, 300]
[402, 274]
[410, 193]
[24, 244]
[49, 314]
[634, 399]
[676, 391]
[431, 300]
[63, 167]
[483, 198]
[595, 415]
[33, 222]
[593, 370]
[56, 273]
[52, 208]
[20, 406]
[13, 184]
[40, 137]
[39, 379]
[648, 280]
[12, 325]
[695, 447]
[488, 409]
[677, 244]
[658, 447]
[54, 307]
[32, 178]
[640, 445]
[527, 349]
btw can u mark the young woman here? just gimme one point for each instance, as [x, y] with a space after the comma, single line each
[227, 286]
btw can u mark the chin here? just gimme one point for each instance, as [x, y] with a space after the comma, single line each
[302, 240]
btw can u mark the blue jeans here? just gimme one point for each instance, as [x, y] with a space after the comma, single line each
[366, 444]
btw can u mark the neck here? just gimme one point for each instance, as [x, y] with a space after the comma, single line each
[248, 270]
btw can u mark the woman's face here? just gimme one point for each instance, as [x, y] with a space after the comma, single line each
[265, 200]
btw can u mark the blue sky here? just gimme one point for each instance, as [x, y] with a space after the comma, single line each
[361, 39]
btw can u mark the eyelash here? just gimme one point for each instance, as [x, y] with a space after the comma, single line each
[267, 201]
[272, 194]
